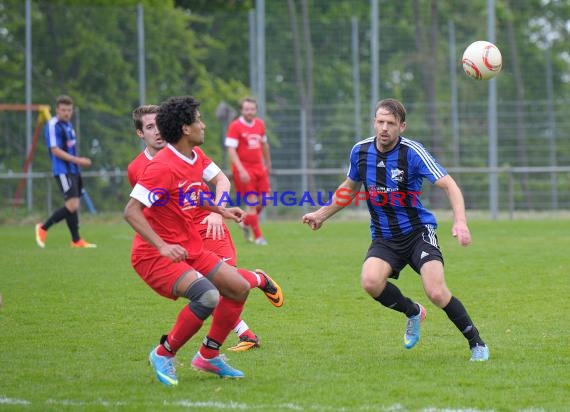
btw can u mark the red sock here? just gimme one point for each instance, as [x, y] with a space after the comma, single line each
[187, 324]
[253, 279]
[226, 314]
[253, 221]
[248, 221]
[249, 334]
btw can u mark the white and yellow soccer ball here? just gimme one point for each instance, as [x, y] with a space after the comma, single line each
[482, 60]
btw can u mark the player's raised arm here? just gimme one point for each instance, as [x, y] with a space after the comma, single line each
[343, 196]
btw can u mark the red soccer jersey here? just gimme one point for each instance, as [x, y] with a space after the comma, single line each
[137, 166]
[247, 139]
[200, 213]
[169, 187]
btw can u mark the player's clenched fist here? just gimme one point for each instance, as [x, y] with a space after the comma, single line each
[234, 213]
[175, 253]
[313, 220]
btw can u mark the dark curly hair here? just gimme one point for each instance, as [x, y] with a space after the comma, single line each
[175, 113]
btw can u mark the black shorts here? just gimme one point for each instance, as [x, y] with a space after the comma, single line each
[70, 185]
[414, 249]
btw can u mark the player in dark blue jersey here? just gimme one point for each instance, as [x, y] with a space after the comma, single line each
[61, 141]
[391, 169]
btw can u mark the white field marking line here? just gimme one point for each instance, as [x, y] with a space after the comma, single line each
[243, 406]
[11, 401]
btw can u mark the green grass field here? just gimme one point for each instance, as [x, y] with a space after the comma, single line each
[76, 326]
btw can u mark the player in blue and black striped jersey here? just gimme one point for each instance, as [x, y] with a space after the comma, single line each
[61, 143]
[391, 169]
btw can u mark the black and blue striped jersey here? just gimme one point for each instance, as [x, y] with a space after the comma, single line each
[59, 133]
[393, 183]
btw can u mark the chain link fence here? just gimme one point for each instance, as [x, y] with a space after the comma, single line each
[312, 130]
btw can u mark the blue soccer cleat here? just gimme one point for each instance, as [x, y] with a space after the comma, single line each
[164, 368]
[216, 366]
[479, 353]
[412, 335]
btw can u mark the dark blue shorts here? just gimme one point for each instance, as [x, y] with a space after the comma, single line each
[70, 185]
[415, 249]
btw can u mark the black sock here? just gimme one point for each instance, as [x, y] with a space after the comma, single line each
[392, 298]
[72, 220]
[457, 313]
[165, 344]
[58, 216]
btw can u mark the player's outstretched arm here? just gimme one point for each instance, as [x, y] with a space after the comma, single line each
[343, 196]
[453, 192]
[134, 216]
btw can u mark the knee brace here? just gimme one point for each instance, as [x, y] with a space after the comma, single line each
[203, 297]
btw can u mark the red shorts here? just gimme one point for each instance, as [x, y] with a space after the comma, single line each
[259, 181]
[206, 262]
[223, 248]
[161, 274]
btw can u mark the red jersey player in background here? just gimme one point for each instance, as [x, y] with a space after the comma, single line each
[168, 253]
[248, 151]
[215, 234]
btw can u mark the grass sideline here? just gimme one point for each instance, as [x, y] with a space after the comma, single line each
[77, 325]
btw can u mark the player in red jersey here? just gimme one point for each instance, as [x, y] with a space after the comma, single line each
[213, 231]
[145, 128]
[168, 251]
[248, 151]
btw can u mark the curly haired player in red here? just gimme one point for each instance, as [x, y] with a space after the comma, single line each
[168, 252]
[215, 234]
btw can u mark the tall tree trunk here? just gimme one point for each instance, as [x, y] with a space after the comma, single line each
[427, 51]
[522, 155]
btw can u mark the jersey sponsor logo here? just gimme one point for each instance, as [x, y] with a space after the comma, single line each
[381, 164]
[253, 141]
[189, 197]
